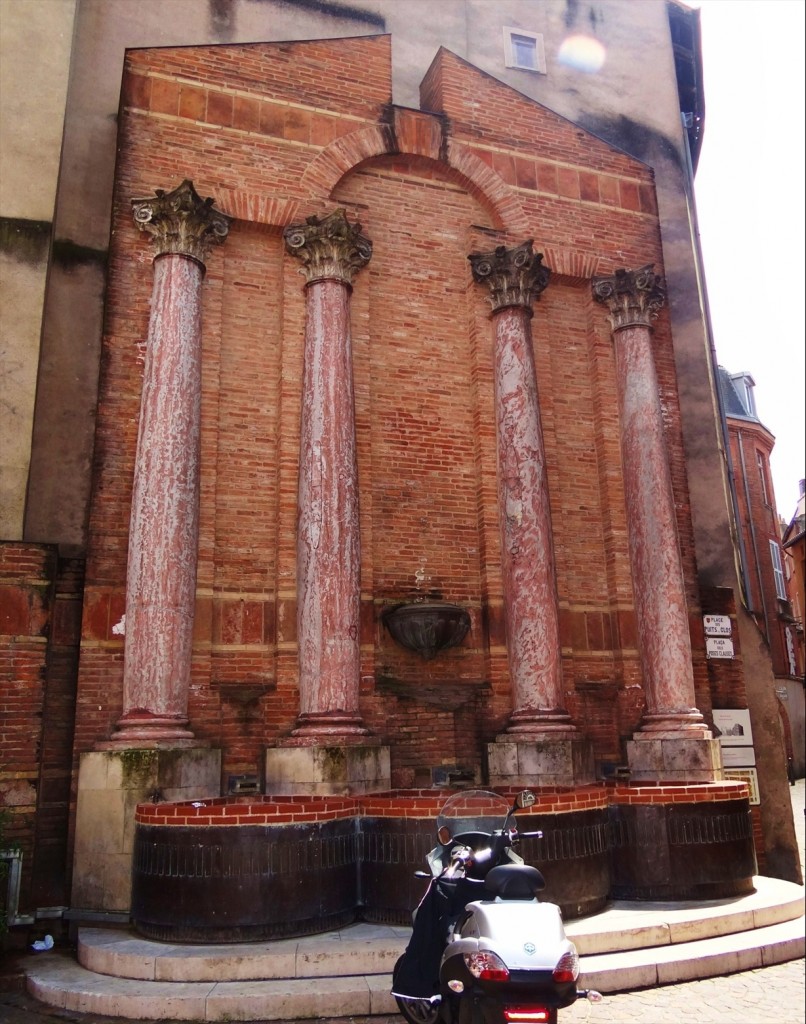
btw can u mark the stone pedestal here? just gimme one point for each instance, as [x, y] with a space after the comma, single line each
[327, 771]
[110, 785]
[674, 758]
[553, 761]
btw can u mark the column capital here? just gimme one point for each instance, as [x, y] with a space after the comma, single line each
[515, 277]
[330, 247]
[632, 296]
[181, 222]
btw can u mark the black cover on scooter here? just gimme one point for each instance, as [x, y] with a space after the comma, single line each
[416, 974]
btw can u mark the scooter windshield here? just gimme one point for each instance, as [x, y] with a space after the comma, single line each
[473, 811]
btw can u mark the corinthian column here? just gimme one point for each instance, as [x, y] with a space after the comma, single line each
[633, 299]
[332, 251]
[164, 527]
[515, 278]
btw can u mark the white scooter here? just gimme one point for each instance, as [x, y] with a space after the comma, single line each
[483, 949]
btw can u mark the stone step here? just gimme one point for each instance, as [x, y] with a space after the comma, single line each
[373, 949]
[355, 950]
[630, 926]
[690, 961]
[60, 982]
[347, 973]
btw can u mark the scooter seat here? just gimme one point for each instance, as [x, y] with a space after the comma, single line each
[514, 881]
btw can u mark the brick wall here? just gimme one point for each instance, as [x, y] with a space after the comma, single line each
[277, 132]
[26, 607]
[758, 521]
[40, 613]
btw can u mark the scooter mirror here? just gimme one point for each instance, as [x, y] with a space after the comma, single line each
[444, 834]
[524, 799]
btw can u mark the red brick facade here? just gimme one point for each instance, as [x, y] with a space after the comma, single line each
[278, 132]
[39, 615]
[486, 167]
[751, 445]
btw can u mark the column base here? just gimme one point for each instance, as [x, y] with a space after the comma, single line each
[329, 727]
[332, 770]
[534, 726]
[137, 730]
[549, 761]
[110, 785]
[677, 758]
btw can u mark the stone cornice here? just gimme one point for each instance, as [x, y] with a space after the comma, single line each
[515, 277]
[181, 222]
[632, 296]
[330, 248]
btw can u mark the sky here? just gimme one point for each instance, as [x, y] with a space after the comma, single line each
[749, 191]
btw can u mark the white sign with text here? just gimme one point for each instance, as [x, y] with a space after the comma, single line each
[716, 625]
[718, 647]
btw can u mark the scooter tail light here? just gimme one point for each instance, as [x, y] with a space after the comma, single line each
[486, 966]
[567, 968]
[527, 1014]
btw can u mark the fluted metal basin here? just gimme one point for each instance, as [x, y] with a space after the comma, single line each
[427, 628]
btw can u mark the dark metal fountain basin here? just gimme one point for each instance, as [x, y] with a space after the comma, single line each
[427, 628]
[243, 883]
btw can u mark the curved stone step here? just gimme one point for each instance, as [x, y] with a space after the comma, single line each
[372, 949]
[347, 973]
[355, 950]
[690, 961]
[56, 979]
[59, 981]
[628, 925]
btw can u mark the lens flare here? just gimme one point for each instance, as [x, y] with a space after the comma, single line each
[582, 53]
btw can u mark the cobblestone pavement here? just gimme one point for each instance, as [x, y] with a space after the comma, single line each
[770, 995]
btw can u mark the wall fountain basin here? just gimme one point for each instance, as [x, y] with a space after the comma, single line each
[239, 869]
[427, 628]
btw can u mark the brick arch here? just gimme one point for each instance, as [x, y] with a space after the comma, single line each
[489, 189]
[416, 134]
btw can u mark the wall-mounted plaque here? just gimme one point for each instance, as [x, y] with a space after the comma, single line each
[716, 625]
[732, 727]
[718, 647]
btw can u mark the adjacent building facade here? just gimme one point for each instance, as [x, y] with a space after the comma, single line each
[766, 575]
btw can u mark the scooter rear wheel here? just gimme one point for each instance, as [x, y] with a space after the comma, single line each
[419, 1011]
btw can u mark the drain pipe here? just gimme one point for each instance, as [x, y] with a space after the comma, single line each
[753, 538]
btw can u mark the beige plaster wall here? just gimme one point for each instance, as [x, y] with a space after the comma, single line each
[35, 45]
[35, 42]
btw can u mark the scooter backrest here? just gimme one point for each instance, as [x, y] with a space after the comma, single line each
[514, 881]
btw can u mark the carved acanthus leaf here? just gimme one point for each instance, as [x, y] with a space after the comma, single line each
[515, 277]
[181, 222]
[329, 247]
[633, 297]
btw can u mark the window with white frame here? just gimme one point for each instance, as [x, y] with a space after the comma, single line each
[524, 50]
[745, 385]
[778, 570]
[761, 462]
